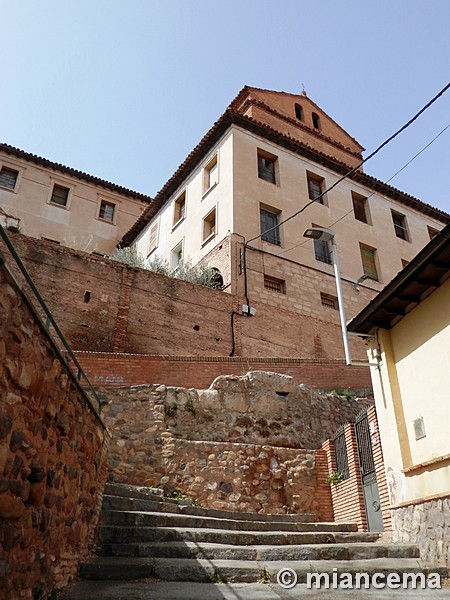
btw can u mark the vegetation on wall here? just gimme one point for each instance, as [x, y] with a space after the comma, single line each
[200, 274]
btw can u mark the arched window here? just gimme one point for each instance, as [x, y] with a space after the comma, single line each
[299, 112]
[216, 279]
[316, 121]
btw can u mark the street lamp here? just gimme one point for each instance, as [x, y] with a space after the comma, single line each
[327, 235]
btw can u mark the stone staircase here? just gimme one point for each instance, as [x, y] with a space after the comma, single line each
[145, 535]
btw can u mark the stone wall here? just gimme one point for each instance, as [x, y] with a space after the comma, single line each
[53, 462]
[247, 443]
[426, 524]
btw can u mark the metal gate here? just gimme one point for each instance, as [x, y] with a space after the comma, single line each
[368, 475]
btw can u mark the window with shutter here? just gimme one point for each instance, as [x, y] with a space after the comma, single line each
[60, 195]
[368, 261]
[315, 189]
[267, 166]
[8, 178]
[322, 251]
[360, 208]
[179, 209]
[400, 227]
[211, 174]
[153, 242]
[270, 232]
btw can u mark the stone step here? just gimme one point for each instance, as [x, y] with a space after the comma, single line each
[234, 571]
[169, 590]
[130, 534]
[158, 519]
[292, 552]
[124, 503]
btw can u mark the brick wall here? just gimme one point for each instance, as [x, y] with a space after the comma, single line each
[348, 496]
[52, 456]
[102, 305]
[109, 369]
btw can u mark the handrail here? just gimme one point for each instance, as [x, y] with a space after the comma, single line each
[80, 374]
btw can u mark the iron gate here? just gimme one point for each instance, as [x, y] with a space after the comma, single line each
[368, 474]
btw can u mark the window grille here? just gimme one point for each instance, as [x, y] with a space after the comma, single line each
[340, 452]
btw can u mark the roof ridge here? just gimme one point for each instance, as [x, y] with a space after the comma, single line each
[71, 171]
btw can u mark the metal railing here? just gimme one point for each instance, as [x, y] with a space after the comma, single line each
[340, 452]
[77, 372]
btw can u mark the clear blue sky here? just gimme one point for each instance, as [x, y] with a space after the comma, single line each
[125, 89]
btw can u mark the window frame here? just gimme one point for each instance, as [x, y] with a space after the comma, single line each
[315, 118]
[154, 226]
[278, 285]
[108, 202]
[432, 232]
[69, 194]
[329, 301]
[299, 113]
[263, 155]
[400, 227]
[369, 250]
[178, 214]
[313, 178]
[274, 235]
[17, 170]
[206, 220]
[177, 250]
[323, 252]
[360, 201]
[207, 169]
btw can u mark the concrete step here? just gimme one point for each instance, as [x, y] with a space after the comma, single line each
[292, 552]
[238, 571]
[159, 519]
[130, 534]
[125, 503]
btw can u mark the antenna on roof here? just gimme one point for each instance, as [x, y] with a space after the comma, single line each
[303, 90]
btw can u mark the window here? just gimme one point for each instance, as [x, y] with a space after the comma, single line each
[267, 166]
[368, 261]
[315, 185]
[405, 263]
[322, 251]
[316, 121]
[60, 195]
[153, 241]
[210, 174]
[400, 225]
[179, 208]
[270, 231]
[299, 112]
[107, 210]
[209, 226]
[360, 207]
[329, 301]
[176, 256]
[432, 232]
[274, 285]
[8, 178]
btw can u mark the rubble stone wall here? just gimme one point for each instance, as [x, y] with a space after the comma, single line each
[53, 457]
[246, 443]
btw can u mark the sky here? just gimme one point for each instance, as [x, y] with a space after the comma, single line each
[124, 90]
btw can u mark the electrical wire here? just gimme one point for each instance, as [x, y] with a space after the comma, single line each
[349, 173]
[373, 193]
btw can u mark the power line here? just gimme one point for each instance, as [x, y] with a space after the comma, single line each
[373, 193]
[405, 126]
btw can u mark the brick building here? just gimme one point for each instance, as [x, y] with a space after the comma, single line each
[269, 155]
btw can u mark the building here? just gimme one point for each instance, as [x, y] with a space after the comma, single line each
[49, 201]
[268, 156]
[409, 344]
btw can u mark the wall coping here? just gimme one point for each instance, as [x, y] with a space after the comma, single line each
[421, 500]
[229, 359]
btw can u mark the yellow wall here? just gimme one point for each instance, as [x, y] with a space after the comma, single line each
[76, 225]
[414, 382]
